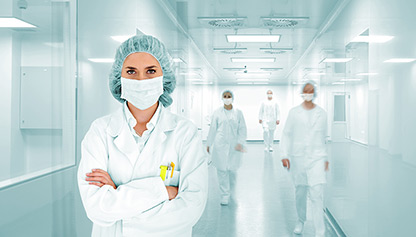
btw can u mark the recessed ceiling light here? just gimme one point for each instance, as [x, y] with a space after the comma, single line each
[202, 83]
[121, 38]
[13, 22]
[260, 83]
[253, 38]
[351, 79]
[101, 60]
[251, 74]
[253, 60]
[400, 60]
[338, 83]
[245, 79]
[336, 60]
[271, 69]
[178, 60]
[245, 83]
[234, 69]
[367, 74]
[372, 38]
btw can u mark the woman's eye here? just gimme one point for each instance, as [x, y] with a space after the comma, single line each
[131, 72]
[151, 71]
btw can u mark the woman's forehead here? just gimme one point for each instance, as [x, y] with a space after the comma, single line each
[141, 59]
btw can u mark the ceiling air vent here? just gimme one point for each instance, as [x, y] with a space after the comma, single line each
[283, 22]
[223, 22]
[275, 50]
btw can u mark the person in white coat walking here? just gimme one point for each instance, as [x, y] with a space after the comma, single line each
[269, 118]
[226, 143]
[143, 170]
[304, 153]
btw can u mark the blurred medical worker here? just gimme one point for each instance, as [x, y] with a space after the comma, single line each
[226, 142]
[269, 118]
[304, 153]
[143, 171]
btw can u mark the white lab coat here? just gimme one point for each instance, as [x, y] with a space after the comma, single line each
[303, 143]
[227, 129]
[269, 113]
[140, 206]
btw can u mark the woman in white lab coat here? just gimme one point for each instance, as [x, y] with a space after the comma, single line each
[304, 153]
[226, 143]
[143, 171]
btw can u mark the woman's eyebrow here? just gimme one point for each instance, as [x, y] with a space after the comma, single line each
[130, 67]
[153, 66]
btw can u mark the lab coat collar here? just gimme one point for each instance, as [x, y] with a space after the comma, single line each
[125, 142]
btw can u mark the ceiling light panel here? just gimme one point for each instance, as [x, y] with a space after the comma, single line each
[400, 60]
[121, 38]
[13, 22]
[336, 60]
[276, 50]
[271, 69]
[253, 38]
[230, 50]
[253, 60]
[101, 60]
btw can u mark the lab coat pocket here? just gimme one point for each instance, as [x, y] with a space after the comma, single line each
[172, 180]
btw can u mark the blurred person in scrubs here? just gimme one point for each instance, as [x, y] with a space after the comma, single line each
[143, 171]
[304, 154]
[269, 118]
[226, 142]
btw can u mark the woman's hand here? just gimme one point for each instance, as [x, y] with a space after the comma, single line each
[286, 163]
[239, 148]
[208, 149]
[326, 165]
[172, 192]
[100, 178]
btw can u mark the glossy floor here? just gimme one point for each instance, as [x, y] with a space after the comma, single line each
[262, 204]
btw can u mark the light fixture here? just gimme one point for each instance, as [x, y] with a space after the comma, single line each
[13, 22]
[234, 69]
[372, 38]
[245, 83]
[338, 83]
[223, 22]
[245, 79]
[253, 60]
[252, 74]
[230, 50]
[351, 79]
[367, 74]
[400, 60]
[276, 50]
[101, 60]
[260, 83]
[178, 60]
[336, 60]
[121, 38]
[282, 22]
[203, 83]
[253, 38]
[271, 69]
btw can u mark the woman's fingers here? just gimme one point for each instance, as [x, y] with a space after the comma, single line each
[97, 179]
[101, 173]
[96, 184]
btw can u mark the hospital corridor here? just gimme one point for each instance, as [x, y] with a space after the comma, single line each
[207, 118]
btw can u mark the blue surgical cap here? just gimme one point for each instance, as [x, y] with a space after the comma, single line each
[147, 44]
[228, 91]
[315, 89]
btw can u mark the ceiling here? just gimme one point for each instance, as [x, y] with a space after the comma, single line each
[208, 37]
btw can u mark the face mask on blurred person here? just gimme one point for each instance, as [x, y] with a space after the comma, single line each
[307, 97]
[142, 93]
[227, 101]
[270, 96]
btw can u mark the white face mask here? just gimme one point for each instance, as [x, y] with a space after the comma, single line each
[270, 96]
[142, 93]
[307, 97]
[227, 101]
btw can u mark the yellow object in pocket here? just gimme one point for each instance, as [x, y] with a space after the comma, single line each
[163, 169]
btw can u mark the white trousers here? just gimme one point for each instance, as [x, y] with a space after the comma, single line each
[226, 181]
[268, 136]
[316, 196]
